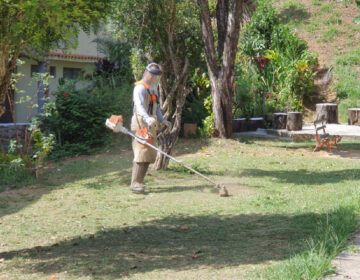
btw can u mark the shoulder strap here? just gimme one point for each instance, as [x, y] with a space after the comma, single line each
[144, 84]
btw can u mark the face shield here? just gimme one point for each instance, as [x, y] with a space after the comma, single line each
[153, 75]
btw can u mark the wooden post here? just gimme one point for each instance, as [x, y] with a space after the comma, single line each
[239, 125]
[327, 112]
[255, 123]
[354, 116]
[294, 121]
[279, 120]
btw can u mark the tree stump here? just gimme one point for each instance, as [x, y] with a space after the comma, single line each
[255, 123]
[279, 120]
[354, 116]
[294, 121]
[239, 125]
[190, 130]
[327, 112]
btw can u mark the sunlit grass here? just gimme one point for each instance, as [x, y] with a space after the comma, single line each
[80, 221]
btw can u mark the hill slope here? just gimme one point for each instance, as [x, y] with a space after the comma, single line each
[328, 27]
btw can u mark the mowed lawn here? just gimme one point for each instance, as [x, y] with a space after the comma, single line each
[80, 221]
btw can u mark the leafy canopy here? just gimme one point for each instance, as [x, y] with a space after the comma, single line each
[43, 24]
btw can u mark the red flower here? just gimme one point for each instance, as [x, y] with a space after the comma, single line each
[269, 95]
[52, 93]
[261, 62]
[93, 92]
[66, 95]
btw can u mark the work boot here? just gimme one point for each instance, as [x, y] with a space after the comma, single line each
[138, 175]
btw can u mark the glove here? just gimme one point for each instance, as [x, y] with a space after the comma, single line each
[150, 121]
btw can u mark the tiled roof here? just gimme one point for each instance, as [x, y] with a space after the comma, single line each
[75, 56]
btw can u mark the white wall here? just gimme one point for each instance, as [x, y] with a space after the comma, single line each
[29, 85]
[85, 46]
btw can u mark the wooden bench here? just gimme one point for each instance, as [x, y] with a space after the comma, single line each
[323, 138]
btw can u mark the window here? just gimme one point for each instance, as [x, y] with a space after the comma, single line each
[71, 73]
[35, 69]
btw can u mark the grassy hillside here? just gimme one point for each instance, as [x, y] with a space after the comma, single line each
[328, 27]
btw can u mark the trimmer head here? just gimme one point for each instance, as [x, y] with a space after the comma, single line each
[223, 192]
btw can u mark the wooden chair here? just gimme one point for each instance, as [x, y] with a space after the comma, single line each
[323, 138]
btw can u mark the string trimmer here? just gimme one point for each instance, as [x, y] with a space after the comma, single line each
[115, 123]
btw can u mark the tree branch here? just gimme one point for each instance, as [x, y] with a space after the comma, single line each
[208, 36]
[232, 38]
[222, 11]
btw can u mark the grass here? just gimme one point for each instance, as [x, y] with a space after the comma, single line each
[288, 215]
[330, 34]
[11, 178]
[328, 8]
[347, 87]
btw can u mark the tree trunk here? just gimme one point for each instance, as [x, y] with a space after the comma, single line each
[167, 141]
[7, 68]
[222, 107]
[294, 121]
[327, 112]
[221, 64]
[354, 116]
[279, 120]
[239, 125]
[255, 123]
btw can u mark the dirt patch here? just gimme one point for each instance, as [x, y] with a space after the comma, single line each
[236, 189]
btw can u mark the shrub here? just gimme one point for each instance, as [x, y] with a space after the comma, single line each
[283, 66]
[207, 127]
[257, 35]
[78, 115]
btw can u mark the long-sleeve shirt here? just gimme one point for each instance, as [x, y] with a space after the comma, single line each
[139, 103]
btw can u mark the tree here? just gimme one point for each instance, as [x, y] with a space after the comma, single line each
[221, 60]
[168, 32]
[39, 25]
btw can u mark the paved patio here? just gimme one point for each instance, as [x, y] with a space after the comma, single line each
[349, 132]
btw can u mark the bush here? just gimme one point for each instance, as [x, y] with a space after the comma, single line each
[78, 116]
[284, 67]
[256, 37]
[197, 107]
[247, 99]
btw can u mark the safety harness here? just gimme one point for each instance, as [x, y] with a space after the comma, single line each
[143, 131]
[153, 96]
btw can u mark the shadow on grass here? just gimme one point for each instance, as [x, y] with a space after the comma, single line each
[210, 240]
[305, 177]
[96, 173]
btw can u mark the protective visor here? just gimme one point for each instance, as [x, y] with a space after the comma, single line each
[153, 71]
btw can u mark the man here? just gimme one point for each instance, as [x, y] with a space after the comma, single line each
[145, 120]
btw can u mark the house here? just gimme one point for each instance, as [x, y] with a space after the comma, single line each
[61, 65]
